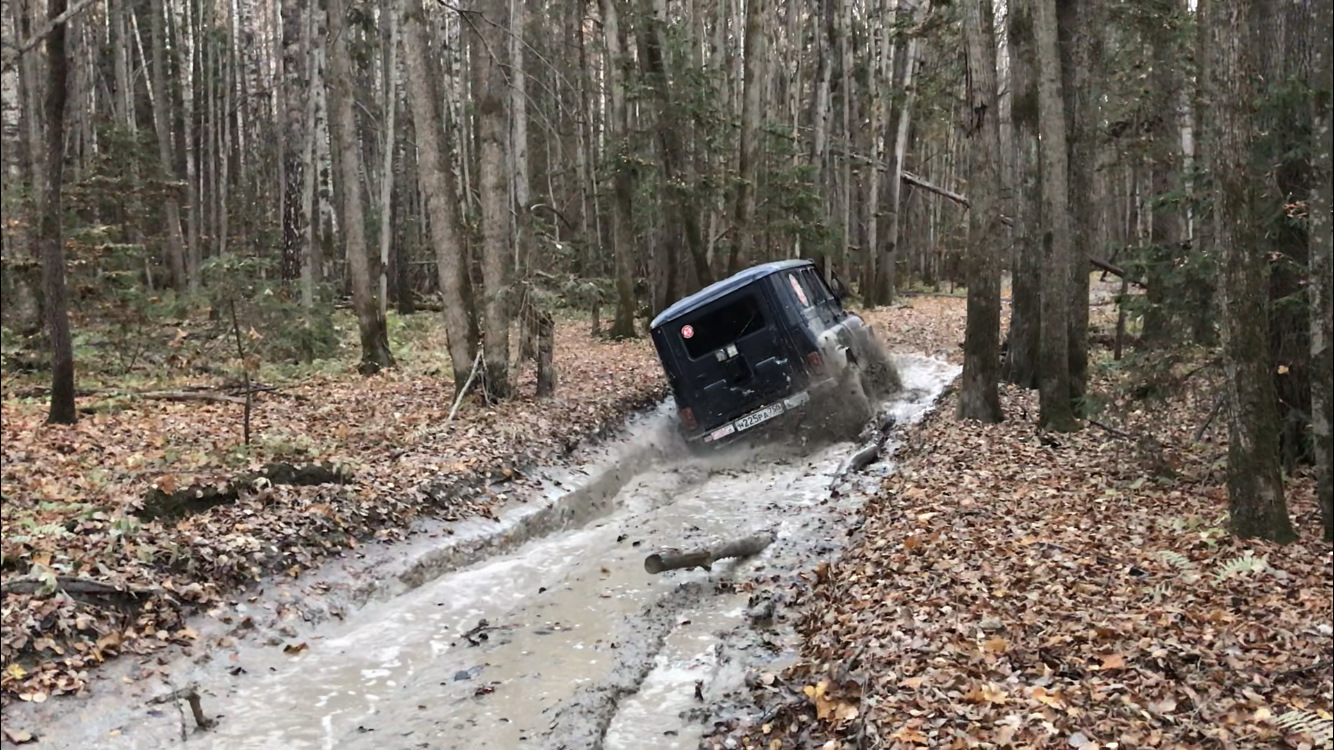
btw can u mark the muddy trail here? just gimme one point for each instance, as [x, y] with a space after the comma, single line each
[539, 628]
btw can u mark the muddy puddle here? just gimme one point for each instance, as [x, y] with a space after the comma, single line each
[542, 630]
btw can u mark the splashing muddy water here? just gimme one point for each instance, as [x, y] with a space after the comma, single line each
[542, 630]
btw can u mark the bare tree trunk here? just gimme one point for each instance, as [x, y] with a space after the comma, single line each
[375, 353]
[293, 85]
[978, 397]
[186, 75]
[390, 141]
[881, 76]
[623, 325]
[488, 46]
[49, 227]
[669, 129]
[845, 87]
[1024, 339]
[1322, 317]
[440, 195]
[1165, 226]
[162, 123]
[310, 181]
[1255, 484]
[31, 69]
[518, 152]
[743, 241]
[889, 247]
[1057, 412]
[1080, 37]
[824, 41]
[123, 105]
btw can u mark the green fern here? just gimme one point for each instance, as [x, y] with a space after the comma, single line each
[1177, 560]
[1320, 730]
[1245, 563]
[1160, 592]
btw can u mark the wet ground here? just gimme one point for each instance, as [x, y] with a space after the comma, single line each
[541, 629]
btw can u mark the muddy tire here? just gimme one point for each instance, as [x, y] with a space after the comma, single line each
[880, 378]
[850, 407]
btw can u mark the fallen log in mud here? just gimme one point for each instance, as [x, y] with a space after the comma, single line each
[660, 562]
[160, 504]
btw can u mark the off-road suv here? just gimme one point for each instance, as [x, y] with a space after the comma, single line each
[768, 341]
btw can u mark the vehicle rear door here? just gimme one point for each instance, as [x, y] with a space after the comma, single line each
[734, 354]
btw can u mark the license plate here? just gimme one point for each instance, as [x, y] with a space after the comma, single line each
[756, 417]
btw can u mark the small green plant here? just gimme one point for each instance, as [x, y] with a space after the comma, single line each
[1318, 728]
[1245, 563]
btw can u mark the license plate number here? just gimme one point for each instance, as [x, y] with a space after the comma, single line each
[763, 415]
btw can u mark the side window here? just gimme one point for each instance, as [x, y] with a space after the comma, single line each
[824, 313]
[818, 288]
[800, 290]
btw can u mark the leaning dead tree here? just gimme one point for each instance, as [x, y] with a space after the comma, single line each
[660, 562]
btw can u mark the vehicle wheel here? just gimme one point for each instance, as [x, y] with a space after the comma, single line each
[879, 376]
[852, 407]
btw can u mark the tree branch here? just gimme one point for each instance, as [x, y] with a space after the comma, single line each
[25, 46]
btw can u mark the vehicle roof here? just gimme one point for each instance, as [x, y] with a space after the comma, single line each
[718, 289]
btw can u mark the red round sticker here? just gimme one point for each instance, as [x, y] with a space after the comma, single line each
[687, 332]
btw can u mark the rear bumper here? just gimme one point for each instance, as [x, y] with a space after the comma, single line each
[763, 415]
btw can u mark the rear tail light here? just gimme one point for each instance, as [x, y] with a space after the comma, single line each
[688, 418]
[814, 362]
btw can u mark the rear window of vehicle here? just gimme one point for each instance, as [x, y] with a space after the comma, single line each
[721, 326]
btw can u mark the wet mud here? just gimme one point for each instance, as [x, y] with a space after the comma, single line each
[540, 629]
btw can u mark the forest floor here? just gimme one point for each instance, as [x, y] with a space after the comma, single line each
[75, 497]
[1012, 588]
[1004, 586]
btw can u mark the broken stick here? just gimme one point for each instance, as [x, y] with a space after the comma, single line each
[191, 696]
[705, 558]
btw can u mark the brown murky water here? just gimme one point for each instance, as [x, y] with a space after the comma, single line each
[580, 647]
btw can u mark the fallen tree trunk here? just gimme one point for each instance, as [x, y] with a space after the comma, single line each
[170, 506]
[705, 558]
[71, 585]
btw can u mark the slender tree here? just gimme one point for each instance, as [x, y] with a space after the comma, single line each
[1322, 316]
[1024, 337]
[375, 354]
[978, 398]
[618, 130]
[743, 239]
[439, 194]
[49, 231]
[171, 208]
[488, 49]
[1255, 485]
[1057, 412]
[1080, 34]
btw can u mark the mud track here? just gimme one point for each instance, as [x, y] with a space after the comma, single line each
[538, 629]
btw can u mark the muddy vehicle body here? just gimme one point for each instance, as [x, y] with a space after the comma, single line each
[768, 342]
